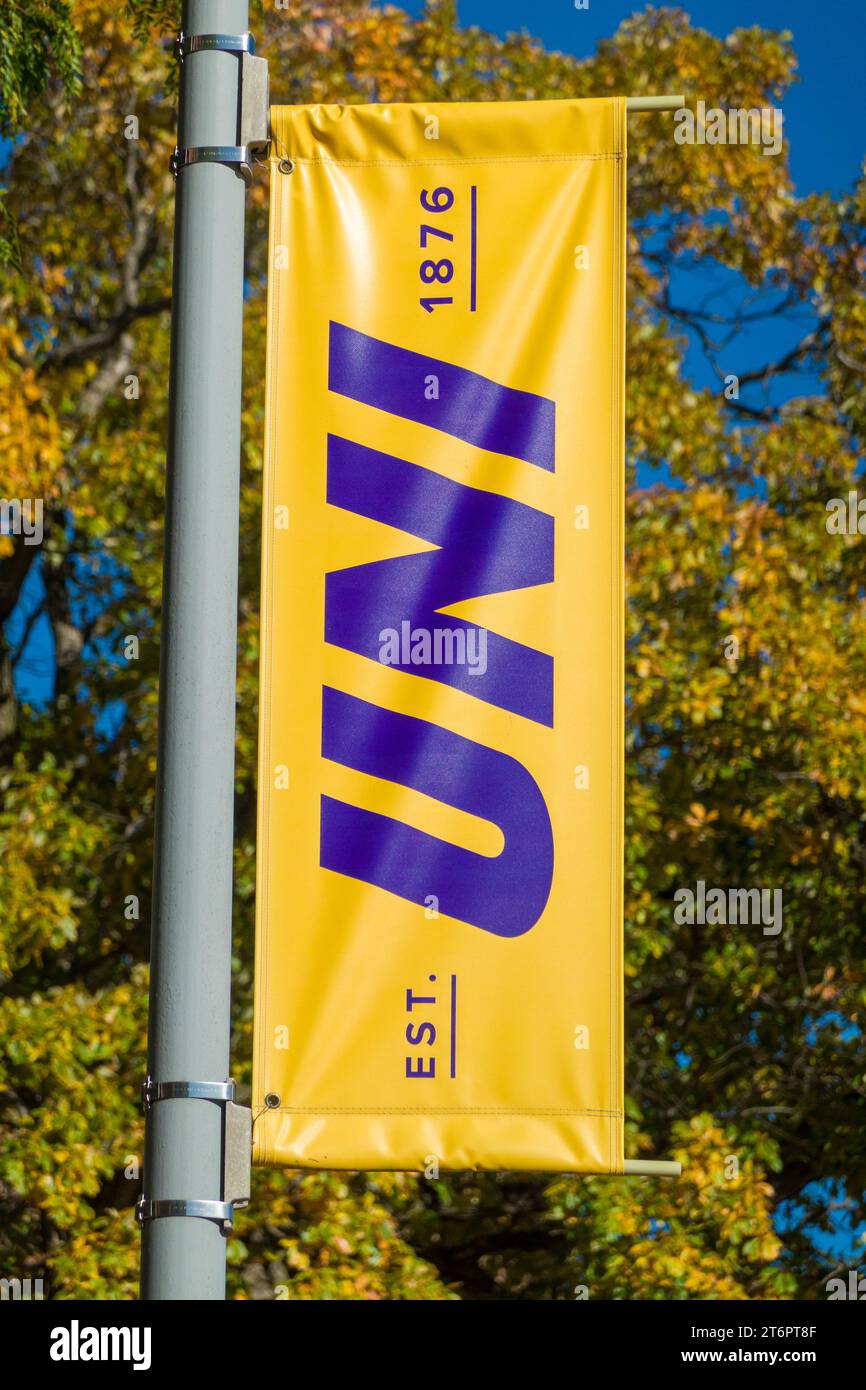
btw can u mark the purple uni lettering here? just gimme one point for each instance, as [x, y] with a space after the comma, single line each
[488, 544]
[505, 894]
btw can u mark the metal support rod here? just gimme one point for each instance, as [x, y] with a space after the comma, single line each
[654, 103]
[183, 1257]
[652, 1168]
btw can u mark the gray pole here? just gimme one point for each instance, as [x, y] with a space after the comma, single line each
[183, 1257]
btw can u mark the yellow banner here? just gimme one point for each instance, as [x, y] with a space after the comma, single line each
[439, 930]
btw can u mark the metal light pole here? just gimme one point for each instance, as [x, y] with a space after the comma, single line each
[183, 1254]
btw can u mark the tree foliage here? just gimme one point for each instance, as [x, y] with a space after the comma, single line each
[38, 40]
[743, 769]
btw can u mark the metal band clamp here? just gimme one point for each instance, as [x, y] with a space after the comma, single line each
[223, 43]
[213, 154]
[148, 1210]
[152, 1091]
